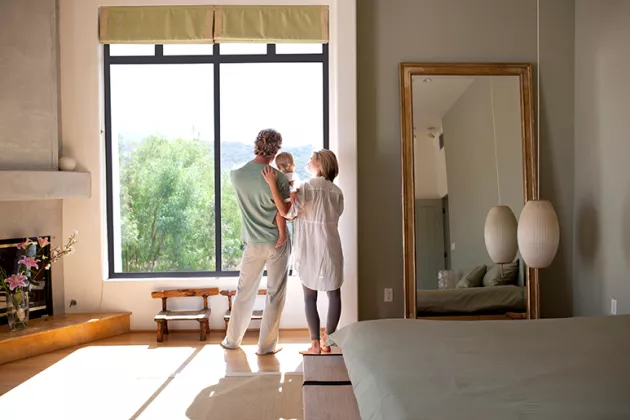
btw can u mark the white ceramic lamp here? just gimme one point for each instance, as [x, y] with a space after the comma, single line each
[500, 235]
[538, 233]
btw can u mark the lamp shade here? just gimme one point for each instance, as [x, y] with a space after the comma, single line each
[538, 233]
[500, 234]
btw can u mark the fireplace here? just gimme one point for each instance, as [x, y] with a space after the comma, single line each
[41, 296]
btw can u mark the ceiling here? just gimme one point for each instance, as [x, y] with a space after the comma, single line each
[434, 97]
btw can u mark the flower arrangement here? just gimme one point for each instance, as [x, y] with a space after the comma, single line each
[18, 286]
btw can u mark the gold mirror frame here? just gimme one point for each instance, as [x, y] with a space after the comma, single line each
[530, 162]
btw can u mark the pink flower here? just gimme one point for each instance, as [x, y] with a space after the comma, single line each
[29, 262]
[16, 280]
[24, 244]
[43, 242]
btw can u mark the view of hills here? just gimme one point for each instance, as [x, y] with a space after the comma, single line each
[234, 154]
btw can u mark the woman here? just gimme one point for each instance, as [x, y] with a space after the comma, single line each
[316, 206]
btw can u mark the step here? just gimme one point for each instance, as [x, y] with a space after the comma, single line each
[58, 332]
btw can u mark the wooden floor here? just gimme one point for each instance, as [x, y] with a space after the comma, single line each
[132, 376]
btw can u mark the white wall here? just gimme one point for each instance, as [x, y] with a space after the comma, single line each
[82, 121]
[469, 131]
[601, 256]
[425, 166]
[442, 177]
[29, 131]
[429, 163]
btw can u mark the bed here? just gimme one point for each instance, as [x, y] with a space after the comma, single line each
[551, 369]
[478, 298]
[472, 300]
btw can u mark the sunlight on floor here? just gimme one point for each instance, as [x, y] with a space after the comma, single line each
[144, 381]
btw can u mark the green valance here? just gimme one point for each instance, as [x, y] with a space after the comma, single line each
[271, 24]
[156, 25]
[209, 24]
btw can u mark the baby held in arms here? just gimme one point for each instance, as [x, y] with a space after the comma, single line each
[286, 165]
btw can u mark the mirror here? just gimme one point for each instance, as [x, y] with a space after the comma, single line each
[468, 147]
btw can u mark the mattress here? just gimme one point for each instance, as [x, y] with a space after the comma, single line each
[551, 369]
[472, 300]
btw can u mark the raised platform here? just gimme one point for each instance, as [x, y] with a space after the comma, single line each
[58, 332]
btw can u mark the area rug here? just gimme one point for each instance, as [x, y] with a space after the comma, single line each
[255, 397]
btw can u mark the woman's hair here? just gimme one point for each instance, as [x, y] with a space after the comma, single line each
[268, 142]
[285, 163]
[328, 162]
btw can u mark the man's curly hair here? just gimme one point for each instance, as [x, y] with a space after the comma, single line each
[268, 142]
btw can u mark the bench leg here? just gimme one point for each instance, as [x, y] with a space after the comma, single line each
[160, 332]
[226, 326]
[165, 329]
[204, 327]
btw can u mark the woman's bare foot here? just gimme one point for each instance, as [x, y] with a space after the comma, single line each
[281, 240]
[314, 349]
[324, 347]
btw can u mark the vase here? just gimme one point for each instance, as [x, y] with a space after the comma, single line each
[447, 279]
[18, 310]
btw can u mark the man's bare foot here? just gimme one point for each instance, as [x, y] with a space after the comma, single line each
[314, 349]
[281, 241]
[225, 345]
[324, 347]
[268, 353]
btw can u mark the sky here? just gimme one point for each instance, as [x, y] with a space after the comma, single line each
[171, 100]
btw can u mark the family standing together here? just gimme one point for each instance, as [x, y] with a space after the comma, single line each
[267, 197]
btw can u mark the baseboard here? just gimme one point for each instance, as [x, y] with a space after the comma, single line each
[215, 330]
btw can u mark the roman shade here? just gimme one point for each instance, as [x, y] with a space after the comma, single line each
[209, 24]
[156, 24]
[271, 24]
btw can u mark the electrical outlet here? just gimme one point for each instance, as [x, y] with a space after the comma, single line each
[389, 295]
[452, 246]
[613, 306]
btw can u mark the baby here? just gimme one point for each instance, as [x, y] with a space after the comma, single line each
[286, 165]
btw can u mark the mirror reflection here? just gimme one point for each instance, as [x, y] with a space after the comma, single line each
[468, 159]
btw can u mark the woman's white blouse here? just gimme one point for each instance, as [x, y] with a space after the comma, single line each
[317, 247]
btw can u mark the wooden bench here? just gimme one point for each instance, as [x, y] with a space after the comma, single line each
[202, 316]
[256, 315]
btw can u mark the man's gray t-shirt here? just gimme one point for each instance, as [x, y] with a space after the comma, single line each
[258, 209]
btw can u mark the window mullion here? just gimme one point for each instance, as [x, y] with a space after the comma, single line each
[217, 163]
[109, 159]
[325, 88]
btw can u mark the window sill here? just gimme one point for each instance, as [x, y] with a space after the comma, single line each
[178, 279]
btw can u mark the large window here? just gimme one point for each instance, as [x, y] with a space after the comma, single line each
[178, 118]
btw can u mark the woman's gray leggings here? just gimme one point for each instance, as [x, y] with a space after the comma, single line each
[312, 317]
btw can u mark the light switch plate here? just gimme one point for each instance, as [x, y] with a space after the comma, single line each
[389, 295]
[613, 306]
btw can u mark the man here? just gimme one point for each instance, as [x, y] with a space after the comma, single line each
[260, 234]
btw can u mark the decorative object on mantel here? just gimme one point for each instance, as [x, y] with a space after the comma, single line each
[67, 163]
[538, 233]
[18, 286]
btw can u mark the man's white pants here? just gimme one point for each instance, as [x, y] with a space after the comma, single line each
[255, 258]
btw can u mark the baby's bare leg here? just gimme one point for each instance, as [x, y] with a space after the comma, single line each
[281, 222]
